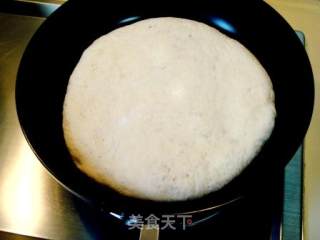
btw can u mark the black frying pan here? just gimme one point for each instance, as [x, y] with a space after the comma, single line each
[56, 47]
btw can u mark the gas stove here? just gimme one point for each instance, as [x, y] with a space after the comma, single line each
[32, 203]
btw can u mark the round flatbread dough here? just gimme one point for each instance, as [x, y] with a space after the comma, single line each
[167, 109]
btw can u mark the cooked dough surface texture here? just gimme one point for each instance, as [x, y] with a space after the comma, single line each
[167, 109]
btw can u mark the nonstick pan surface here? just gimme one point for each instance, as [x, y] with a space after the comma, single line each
[55, 49]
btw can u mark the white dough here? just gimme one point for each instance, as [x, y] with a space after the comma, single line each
[167, 109]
